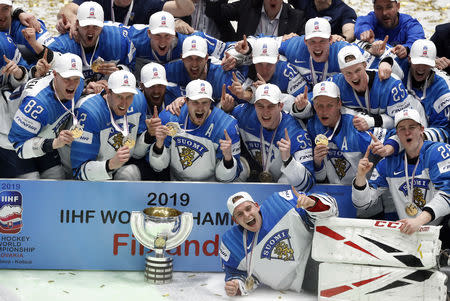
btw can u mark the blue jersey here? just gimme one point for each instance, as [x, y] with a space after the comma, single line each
[140, 12]
[40, 116]
[405, 33]
[346, 146]
[385, 98]
[216, 76]
[296, 52]
[194, 153]
[300, 171]
[10, 50]
[100, 140]
[138, 34]
[283, 245]
[431, 186]
[113, 46]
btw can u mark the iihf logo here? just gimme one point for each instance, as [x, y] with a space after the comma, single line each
[425, 51]
[322, 87]
[163, 21]
[194, 44]
[92, 12]
[10, 212]
[74, 63]
[202, 88]
[264, 49]
[125, 80]
[316, 26]
[266, 90]
[155, 72]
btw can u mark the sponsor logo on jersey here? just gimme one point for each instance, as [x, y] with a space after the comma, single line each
[420, 190]
[10, 212]
[278, 247]
[189, 150]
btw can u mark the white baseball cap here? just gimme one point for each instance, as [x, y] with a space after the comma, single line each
[7, 2]
[153, 74]
[195, 45]
[317, 27]
[347, 51]
[68, 65]
[423, 52]
[198, 89]
[326, 88]
[407, 114]
[245, 197]
[90, 13]
[268, 91]
[265, 50]
[122, 82]
[162, 22]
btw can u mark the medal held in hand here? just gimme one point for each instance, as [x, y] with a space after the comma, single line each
[96, 64]
[321, 139]
[249, 283]
[174, 128]
[411, 209]
[129, 142]
[77, 132]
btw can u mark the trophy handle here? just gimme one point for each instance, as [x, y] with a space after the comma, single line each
[185, 229]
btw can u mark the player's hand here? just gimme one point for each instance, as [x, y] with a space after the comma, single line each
[284, 145]
[336, 38]
[384, 71]
[161, 133]
[301, 100]
[364, 166]
[226, 100]
[96, 87]
[120, 158]
[232, 288]
[303, 201]
[378, 148]
[225, 147]
[320, 152]
[29, 34]
[360, 124]
[236, 88]
[183, 27]
[42, 65]
[175, 106]
[367, 36]
[400, 51]
[62, 24]
[379, 47]
[107, 68]
[30, 20]
[411, 225]
[12, 68]
[228, 62]
[242, 46]
[64, 137]
[153, 123]
[442, 63]
[260, 81]
[288, 36]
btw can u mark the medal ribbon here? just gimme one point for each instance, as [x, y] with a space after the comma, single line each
[313, 72]
[83, 54]
[248, 261]
[366, 99]
[412, 92]
[125, 130]
[263, 149]
[127, 17]
[410, 188]
[72, 108]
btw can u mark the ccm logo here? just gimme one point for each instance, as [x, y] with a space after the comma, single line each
[387, 224]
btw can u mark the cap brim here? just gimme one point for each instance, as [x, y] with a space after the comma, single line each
[70, 73]
[124, 90]
[423, 61]
[153, 82]
[162, 30]
[265, 59]
[317, 35]
[196, 53]
[88, 22]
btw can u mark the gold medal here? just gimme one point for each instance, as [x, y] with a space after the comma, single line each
[321, 140]
[249, 283]
[160, 242]
[130, 143]
[265, 177]
[76, 132]
[411, 209]
[173, 127]
[96, 64]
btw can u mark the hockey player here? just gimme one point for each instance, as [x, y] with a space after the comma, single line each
[195, 64]
[272, 241]
[375, 101]
[203, 142]
[418, 177]
[104, 48]
[39, 128]
[281, 149]
[113, 132]
[338, 146]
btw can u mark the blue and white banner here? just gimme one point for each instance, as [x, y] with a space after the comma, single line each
[85, 225]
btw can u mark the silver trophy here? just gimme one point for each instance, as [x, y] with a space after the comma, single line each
[160, 229]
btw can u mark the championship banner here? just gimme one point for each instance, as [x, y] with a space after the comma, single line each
[85, 225]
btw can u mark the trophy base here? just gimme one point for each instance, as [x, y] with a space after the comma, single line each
[158, 270]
